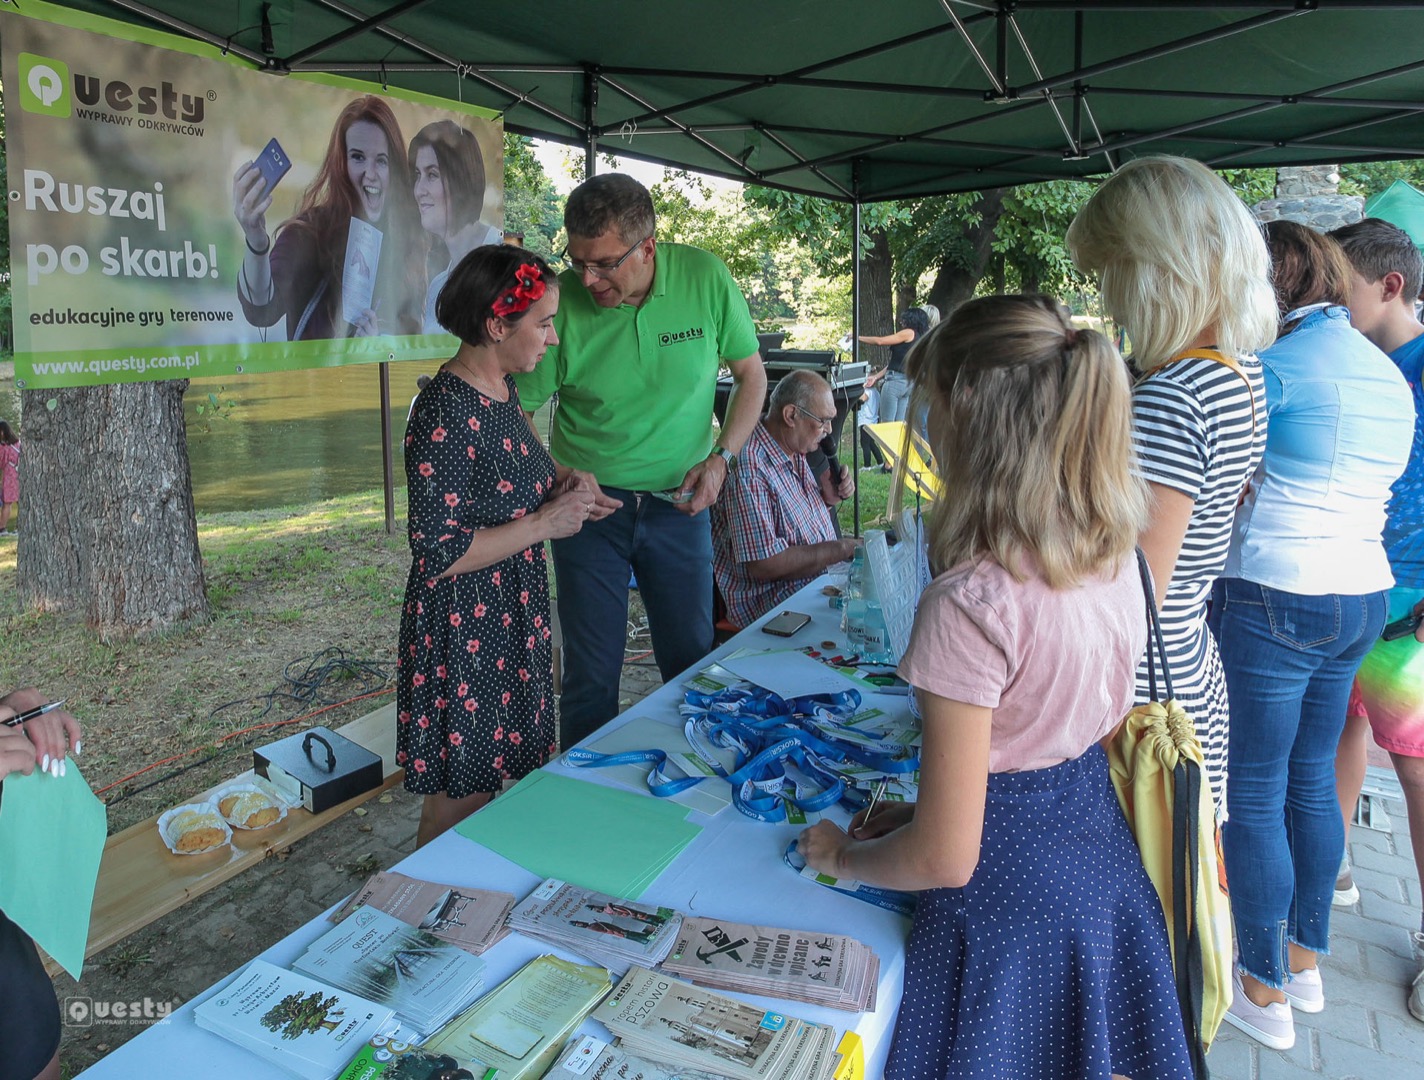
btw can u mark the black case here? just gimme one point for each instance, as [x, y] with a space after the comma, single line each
[319, 767]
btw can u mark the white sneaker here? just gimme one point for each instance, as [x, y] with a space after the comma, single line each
[1272, 1025]
[1305, 991]
[1416, 991]
[1347, 893]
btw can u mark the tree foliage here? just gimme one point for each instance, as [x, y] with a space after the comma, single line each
[531, 204]
[1370, 178]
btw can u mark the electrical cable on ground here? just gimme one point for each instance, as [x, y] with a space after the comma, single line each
[304, 688]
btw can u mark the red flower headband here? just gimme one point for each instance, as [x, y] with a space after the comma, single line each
[528, 287]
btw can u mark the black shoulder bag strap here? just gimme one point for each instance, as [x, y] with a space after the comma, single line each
[1186, 851]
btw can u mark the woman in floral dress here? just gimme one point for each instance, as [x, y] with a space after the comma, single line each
[474, 686]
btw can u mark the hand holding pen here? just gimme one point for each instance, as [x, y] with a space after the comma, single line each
[879, 818]
[45, 723]
[30, 714]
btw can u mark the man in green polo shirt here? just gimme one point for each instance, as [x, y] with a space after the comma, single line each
[643, 328]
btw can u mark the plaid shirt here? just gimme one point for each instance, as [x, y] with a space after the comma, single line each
[772, 502]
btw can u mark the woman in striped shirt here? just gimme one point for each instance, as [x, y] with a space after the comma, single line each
[1184, 268]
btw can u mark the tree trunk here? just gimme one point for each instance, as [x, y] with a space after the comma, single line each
[905, 296]
[955, 283]
[877, 310]
[110, 530]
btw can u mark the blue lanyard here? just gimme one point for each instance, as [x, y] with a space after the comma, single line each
[902, 903]
[770, 736]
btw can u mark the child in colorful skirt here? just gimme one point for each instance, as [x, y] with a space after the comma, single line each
[1038, 947]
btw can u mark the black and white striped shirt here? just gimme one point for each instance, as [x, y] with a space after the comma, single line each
[1193, 429]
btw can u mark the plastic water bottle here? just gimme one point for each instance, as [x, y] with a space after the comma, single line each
[853, 620]
[875, 636]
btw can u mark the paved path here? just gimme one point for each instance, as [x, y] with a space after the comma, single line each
[1365, 1032]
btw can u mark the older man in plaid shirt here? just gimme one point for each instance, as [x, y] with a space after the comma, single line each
[771, 528]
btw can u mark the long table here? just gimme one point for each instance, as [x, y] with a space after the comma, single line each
[732, 870]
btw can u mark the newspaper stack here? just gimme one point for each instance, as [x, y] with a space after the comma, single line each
[470, 918]
[688, 1027]
[606, 929]
[823, 969]
[425, 980]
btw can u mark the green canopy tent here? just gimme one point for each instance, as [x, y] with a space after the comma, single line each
[1400, 204]
[864, 102]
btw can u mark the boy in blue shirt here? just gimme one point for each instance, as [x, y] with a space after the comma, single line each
[1386, 279]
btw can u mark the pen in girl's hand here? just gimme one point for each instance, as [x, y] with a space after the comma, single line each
[30, 714]
[875, 797]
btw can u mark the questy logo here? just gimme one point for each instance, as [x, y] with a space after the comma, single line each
[44, 85]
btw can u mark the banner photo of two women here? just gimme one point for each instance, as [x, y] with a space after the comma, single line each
[173, 214]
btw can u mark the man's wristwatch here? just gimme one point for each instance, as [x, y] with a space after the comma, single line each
[727, 456]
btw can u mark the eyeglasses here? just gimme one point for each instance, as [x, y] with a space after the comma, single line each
[601, 270]
[822, 421]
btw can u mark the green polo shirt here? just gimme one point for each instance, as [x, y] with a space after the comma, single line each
[636, 384]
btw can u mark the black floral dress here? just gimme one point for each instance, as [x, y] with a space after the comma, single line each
[474, 684]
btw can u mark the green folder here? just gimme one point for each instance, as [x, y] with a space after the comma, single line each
[602, 838]
[52, 832]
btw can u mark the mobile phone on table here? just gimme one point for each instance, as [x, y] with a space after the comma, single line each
[786, 624]
[273, 163]
[1402, 627]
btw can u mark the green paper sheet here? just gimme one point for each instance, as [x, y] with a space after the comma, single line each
[602, 838]
[52, 832]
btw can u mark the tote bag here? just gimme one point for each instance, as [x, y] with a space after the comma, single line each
[1156, 763]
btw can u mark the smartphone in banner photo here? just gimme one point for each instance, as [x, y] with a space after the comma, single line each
[358, 273]
[273, 163]
[786, 624]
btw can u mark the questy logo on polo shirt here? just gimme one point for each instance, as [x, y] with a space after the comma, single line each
[677, 337]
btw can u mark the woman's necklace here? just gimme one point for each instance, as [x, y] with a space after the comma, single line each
[473, 379]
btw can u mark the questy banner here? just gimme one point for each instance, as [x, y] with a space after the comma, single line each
[175, 214]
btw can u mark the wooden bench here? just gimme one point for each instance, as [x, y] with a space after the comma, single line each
[140, 880]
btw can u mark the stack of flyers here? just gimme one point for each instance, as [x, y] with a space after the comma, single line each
[687, 1027]
[425, 980]
[518, 1028]
[592, 1058]
[298, 1024]
[609, 930]
[470, 918]
[823, 969]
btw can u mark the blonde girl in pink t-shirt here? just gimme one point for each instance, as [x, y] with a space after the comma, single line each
[9, 475]
[1038, 947]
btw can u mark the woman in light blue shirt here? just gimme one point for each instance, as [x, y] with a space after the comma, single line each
[1301, 601]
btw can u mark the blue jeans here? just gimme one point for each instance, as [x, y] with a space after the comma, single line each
[671, 554]
[1289, 662]
[894, 397]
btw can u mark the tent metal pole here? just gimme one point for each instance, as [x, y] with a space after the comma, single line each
[387, 466]
[855, 331]
[350, 32]
[590, 123]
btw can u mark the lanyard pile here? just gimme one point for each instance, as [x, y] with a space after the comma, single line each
[785, 752]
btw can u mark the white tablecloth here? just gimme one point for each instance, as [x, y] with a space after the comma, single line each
[732, 870]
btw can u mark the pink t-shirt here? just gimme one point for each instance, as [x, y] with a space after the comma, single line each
[1056, 666]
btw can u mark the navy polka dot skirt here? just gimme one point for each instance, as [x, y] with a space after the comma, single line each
[1053, 961]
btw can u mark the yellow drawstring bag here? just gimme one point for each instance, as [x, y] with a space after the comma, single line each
[1157, 764]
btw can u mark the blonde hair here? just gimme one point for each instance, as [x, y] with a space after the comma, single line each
[1031, 428]
[1177, 254]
